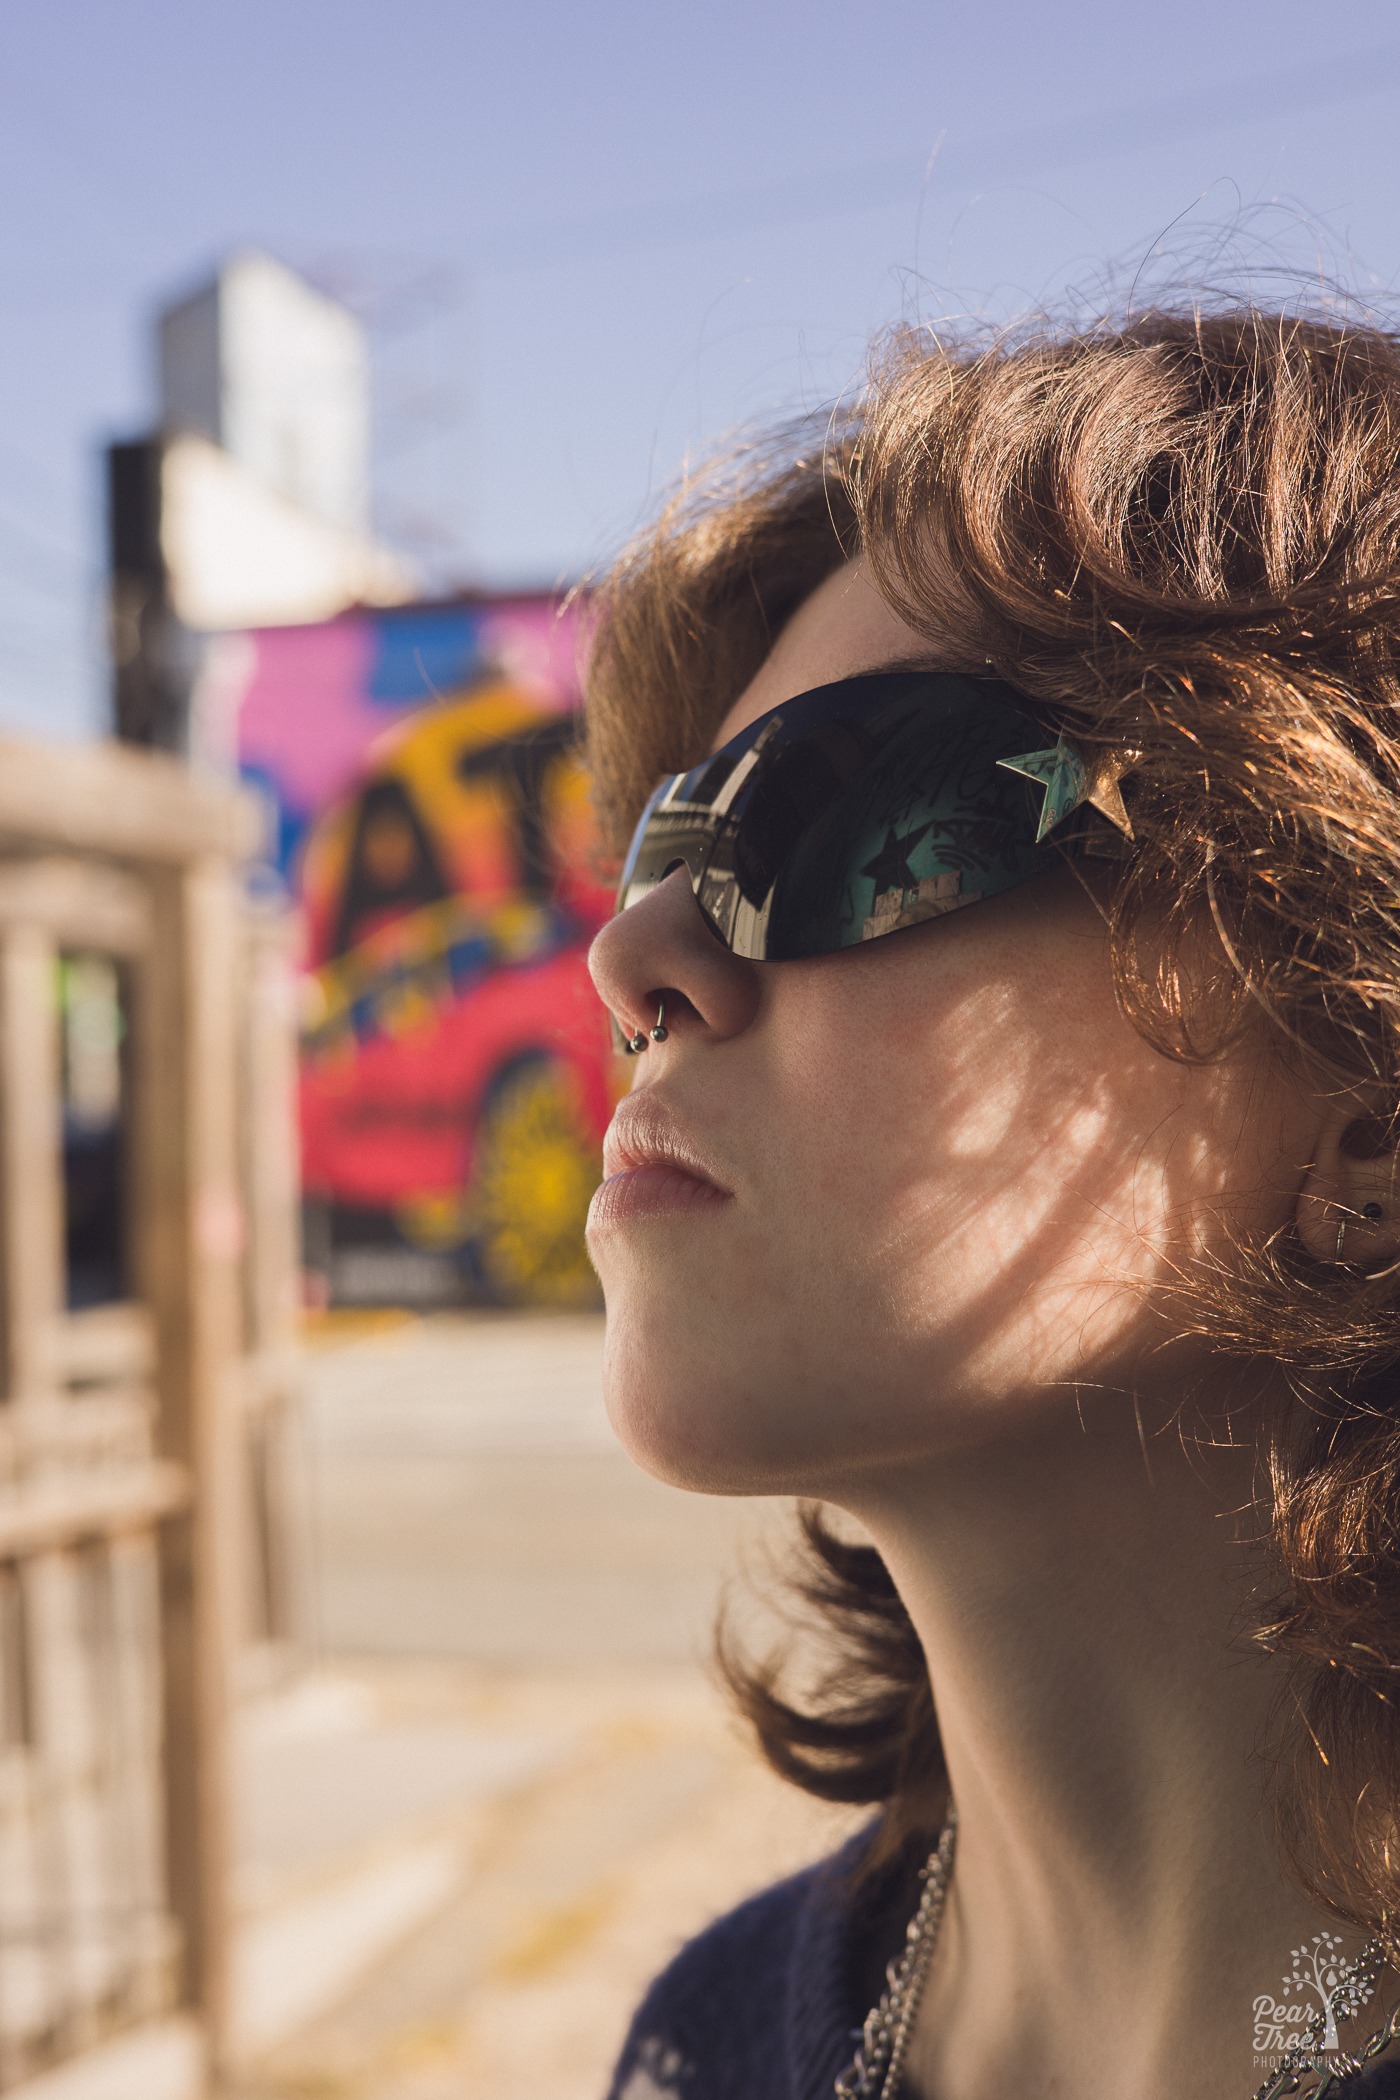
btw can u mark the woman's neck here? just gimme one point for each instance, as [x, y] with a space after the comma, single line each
[1118, 1904]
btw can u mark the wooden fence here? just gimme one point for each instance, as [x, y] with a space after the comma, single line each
[125, 1569]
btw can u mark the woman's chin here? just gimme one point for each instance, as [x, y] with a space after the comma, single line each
[671, 1436]
[703, 1433]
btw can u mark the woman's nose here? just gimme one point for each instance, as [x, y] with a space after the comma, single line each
[661, 949]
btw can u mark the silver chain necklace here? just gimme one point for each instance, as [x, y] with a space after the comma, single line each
[878, 2065]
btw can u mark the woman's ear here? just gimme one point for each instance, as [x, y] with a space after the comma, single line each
[1349, 1205]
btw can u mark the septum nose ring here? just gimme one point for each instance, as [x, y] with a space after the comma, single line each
[638, 1042]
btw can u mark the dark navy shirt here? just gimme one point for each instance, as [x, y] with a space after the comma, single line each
[768, 2003]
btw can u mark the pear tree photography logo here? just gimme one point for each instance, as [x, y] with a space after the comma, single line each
[1321, 1988]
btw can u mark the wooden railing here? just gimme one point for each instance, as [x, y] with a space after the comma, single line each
[124, 1558]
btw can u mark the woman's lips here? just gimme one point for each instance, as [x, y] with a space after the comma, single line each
[653, 1170]
[651, 1189]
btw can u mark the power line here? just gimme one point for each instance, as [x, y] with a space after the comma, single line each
[39, 471]
[27, 560]
[962, 164]
[47, 546]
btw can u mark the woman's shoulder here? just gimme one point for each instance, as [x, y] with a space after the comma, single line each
[710, 2022]
[765, 2003]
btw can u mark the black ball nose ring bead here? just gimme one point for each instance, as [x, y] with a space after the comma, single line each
[635, 1044]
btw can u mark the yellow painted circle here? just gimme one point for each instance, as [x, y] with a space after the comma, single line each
[535, 1174]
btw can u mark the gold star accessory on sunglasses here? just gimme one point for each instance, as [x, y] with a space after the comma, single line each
[1067, 784]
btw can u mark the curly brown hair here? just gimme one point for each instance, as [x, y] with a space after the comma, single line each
[1179, 536]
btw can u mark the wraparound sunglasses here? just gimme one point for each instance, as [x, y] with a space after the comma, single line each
[863, 807]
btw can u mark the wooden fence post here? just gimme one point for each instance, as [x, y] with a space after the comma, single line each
[191, 1242]
[31, 1155]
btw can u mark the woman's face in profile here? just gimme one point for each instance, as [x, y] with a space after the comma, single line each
[941, 1168]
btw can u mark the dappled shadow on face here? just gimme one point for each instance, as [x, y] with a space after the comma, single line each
[962, 1187]
[1075, 1177]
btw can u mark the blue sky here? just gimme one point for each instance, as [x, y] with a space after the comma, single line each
[591, 240]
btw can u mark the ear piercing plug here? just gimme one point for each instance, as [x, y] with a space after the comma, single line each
[1370, 1212]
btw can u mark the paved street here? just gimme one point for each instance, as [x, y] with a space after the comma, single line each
[461, 1494]
[634, 1815]
[502, 1789]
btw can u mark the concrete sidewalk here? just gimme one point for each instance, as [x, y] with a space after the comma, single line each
[501, 1789]
[459, 1493]
[460, 1881]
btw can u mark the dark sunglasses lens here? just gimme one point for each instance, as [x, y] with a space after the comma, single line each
[929, 826]
[849, 813]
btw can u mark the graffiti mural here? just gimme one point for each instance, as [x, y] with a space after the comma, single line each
[433, 822]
